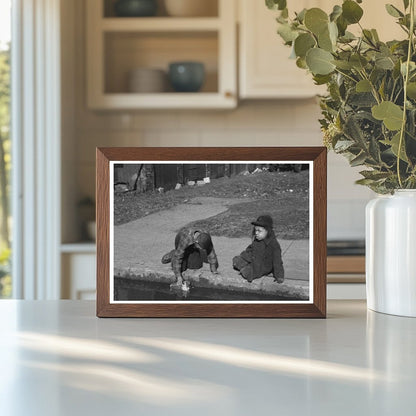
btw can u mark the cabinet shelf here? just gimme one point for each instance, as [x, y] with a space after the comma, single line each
[117, 46]
[160, 24]
[196, 100]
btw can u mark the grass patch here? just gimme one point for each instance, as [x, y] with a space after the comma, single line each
[283, 195]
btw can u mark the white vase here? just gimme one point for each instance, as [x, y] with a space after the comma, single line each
[391, 253]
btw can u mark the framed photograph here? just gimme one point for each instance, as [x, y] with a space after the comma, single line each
[211, 232]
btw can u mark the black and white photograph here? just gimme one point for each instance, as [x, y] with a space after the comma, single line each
[184, 231]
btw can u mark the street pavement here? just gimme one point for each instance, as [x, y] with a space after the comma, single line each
[139, 246]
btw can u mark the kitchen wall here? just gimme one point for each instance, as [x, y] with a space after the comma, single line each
[253, 123]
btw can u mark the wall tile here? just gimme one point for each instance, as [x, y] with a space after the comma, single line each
[160, 119]
[288, 137]
[202, 120]
[228, 138]
[168, 138]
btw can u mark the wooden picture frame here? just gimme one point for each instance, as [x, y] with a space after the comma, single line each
[122, 262]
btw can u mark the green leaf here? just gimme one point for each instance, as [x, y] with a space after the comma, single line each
[336, 12]
[303, 43]
[342, 25]
[374, 150]
[358, 61]
[362, 99]
[382, 89]
[319, 61]
[282, 20]
[353, 131]
[351, 11]
[365, 182]
[359, 160]
[374, 174]
[396, 70]
[276, 4]
[316, 20]
[391, 114]
[301, 63]
[375, 35]
[325, 42]
[368, 36]
[301, 15]
[406, 4]
[344, 65]
[321, 79]
[384, 62]
[393, 11]
[347, 37]
[363, 86]
[411, 90]
[412, 67]
[333, 32]
[287, 33]
[394, 143]
[343, 145]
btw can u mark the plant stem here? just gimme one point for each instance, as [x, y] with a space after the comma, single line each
[405, 81]
[346, 75]
[373, 88]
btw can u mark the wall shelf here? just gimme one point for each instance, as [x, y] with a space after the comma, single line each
[116, 46]
[160, 24]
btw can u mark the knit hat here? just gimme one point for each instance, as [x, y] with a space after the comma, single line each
[265, 221]
[204, 240]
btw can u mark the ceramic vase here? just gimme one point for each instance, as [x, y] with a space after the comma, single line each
[135, 8]
[391, 253]
[186, 76]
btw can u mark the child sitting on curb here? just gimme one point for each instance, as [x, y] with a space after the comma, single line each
[263, 255]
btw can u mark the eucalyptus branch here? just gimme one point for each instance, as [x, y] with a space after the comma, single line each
[346, 75]
[373, 88]
[392, 91]
[406, 79]
[398, 95]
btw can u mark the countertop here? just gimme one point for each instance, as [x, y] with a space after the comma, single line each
[57, 358]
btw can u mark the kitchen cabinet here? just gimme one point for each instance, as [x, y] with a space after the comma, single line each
[265, 70]
[118, 45]
[78, 262]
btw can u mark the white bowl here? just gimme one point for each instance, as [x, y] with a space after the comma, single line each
[191, 8]
[147, 80]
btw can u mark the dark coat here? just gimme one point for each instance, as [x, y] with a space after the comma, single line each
[265, 257]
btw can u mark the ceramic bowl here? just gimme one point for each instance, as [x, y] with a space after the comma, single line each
[147, 80]
[135, 8]
[186, 76]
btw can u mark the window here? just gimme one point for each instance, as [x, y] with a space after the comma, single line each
[5, 159]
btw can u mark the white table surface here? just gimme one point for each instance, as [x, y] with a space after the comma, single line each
[57, 358]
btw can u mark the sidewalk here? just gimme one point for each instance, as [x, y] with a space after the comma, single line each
[139, 246]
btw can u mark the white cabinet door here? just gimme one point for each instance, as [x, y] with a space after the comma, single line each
[265, 68]
[78, 276]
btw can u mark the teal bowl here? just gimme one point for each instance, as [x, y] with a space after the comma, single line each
[135, 8]
[186, 76]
